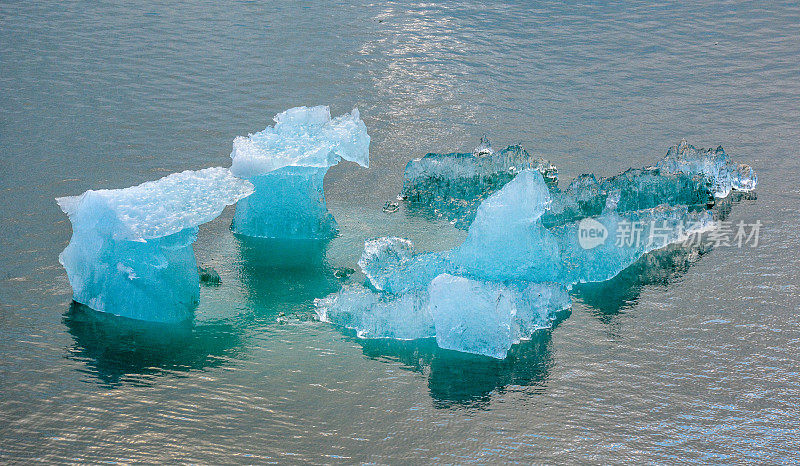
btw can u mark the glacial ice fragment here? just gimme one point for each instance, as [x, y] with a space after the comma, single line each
[453, 185]
[483, 148]
[528, 242]
[509, 276]
[131, 249]
[463, 314]
[721, 172]
[480, 317]
[287, 164]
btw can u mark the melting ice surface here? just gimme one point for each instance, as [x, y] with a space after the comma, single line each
[287, 164]
[528, 244]
[131, 249]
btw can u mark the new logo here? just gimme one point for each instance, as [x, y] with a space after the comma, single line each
[591, 233]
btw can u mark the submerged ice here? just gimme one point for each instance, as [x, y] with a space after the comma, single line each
[527, 239]
[131, 249]
[287, 164]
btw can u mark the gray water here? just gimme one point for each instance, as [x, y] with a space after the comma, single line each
[692, 362]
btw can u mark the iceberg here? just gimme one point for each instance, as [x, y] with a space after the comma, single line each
[527, 244]
[287, 164]
[453, 185]
[131, 249]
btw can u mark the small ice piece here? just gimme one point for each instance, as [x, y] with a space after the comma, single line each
[287, 164]
[392, 265]
[374, 314]
[722, 173]
[487, 318]
[453, 185]
[209, 276]
[484, 147]
[131, 249]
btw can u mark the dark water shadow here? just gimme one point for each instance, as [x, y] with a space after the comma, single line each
[118, 350]
[462, 380]
[657, 268]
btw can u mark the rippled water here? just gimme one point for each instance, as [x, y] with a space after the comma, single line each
[674, 360]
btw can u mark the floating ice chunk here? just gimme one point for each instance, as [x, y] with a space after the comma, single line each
[486, 318]
[287, 164]
[527, 244]
[131, 249]
[507, 240]
[721, 172]
[635, 189]
[484, 147]
[463, 314]
[374, 314]
[453, 185]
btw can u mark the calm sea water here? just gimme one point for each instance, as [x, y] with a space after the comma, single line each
[686, 363]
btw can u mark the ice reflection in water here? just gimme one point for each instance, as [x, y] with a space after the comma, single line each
[456, 379]
[119, 351]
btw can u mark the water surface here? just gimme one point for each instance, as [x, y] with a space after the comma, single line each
[696, 361]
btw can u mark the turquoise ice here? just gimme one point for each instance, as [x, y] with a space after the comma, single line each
[131, 249]
[463, 314]
[287, 164]
[528, 235]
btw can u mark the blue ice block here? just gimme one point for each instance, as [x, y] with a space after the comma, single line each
[131, 249]
[287, 164]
